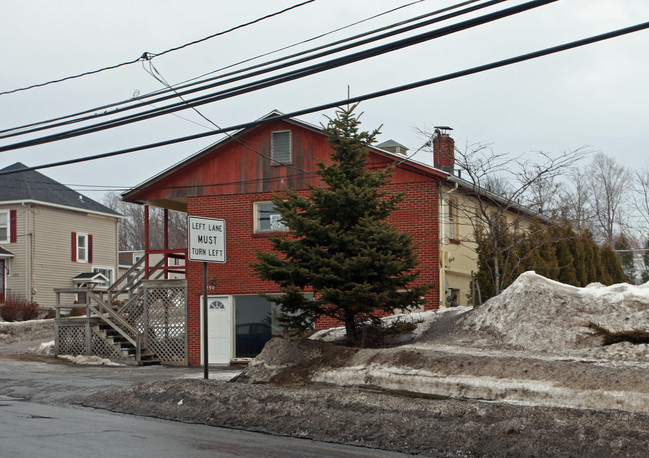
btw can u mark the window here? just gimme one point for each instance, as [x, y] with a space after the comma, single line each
[452, 219]
[281, 147]
[4, 226]
[81, 247]
[256, 320]
[268, 219]
[106, 272]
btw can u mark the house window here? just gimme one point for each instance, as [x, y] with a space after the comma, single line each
[281, 147]
[106, 272]
[82, 247]
[452, 219]
[5, 227]
[256, 320]
[268, 218]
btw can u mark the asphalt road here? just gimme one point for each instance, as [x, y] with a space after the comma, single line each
[37, 419]
[29, 429]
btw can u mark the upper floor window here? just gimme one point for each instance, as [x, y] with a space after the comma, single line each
[452, 219]
[268, 218]
[5, 227]
[81, 247]
[281, 147]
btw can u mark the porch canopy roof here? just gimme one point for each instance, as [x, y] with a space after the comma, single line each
[5, 253]
[89, 277]
[245, 166]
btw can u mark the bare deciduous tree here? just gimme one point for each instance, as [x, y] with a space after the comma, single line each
[504, 192]
[131, 231]
[609, 184]
[576, 199]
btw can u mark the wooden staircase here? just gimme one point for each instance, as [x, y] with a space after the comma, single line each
[116, 327]
[122, 345]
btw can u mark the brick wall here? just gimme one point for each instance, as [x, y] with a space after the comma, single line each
[417, 214]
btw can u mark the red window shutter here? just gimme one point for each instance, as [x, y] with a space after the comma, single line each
[74, 247]
[89, 247]
[13, 227]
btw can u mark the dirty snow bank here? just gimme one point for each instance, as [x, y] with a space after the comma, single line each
[538, 314]
[422, 320]
[25, 330]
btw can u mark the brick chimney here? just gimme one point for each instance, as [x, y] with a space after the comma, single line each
[443, 149]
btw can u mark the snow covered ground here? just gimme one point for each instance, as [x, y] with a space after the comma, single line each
[529, 345]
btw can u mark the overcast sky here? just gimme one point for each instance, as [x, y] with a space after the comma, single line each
[596, 96]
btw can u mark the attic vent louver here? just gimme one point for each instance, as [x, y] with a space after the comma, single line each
[281, 147]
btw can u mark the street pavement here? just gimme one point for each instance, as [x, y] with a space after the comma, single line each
[29, 429]
[37, 418]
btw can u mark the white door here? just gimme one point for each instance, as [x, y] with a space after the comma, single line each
[219, 330]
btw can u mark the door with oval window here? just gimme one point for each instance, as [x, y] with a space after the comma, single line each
[219, 333]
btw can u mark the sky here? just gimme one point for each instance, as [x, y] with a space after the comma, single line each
[595, 96]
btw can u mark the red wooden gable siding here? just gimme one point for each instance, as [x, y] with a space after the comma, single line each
[232, 168]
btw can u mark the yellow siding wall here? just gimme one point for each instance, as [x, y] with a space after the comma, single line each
[17, 278]
[458, 260]
[43, 250]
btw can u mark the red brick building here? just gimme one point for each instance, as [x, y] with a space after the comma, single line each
[233, 180]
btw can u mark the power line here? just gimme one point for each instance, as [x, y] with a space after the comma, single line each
[373, 95]
[288, 76]
[144, 56]
[158, 76]
[139, 102]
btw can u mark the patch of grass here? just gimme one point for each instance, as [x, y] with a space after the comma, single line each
[634, 336]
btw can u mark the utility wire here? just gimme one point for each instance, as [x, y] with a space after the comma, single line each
[116, 104]
[373, 95]
[153, 71]
[157, 54]
[288, 76]
[139, 102]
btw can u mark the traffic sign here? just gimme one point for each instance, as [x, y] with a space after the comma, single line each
[206, 239]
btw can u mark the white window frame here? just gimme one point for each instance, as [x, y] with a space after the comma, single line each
[452, 219]
[257, 228]
[109, 270]
[273, 153]
[86, 240]
[8, 213]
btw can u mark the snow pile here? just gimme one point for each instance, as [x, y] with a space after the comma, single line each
[422, 320]
[15, 331]
[539, 314]
[45, 348]
[89, 360]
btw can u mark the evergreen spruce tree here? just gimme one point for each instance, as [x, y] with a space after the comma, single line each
[592, 258]
[567, 272]
[341, 247]
[613, 272]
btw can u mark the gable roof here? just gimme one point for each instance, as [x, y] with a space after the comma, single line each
[36, 187]
[130, 195]
[90, 277]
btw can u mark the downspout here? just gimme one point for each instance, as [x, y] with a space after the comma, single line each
[29, 252]
[442, 282]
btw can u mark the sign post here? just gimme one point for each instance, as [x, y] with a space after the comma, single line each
[205, 243]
